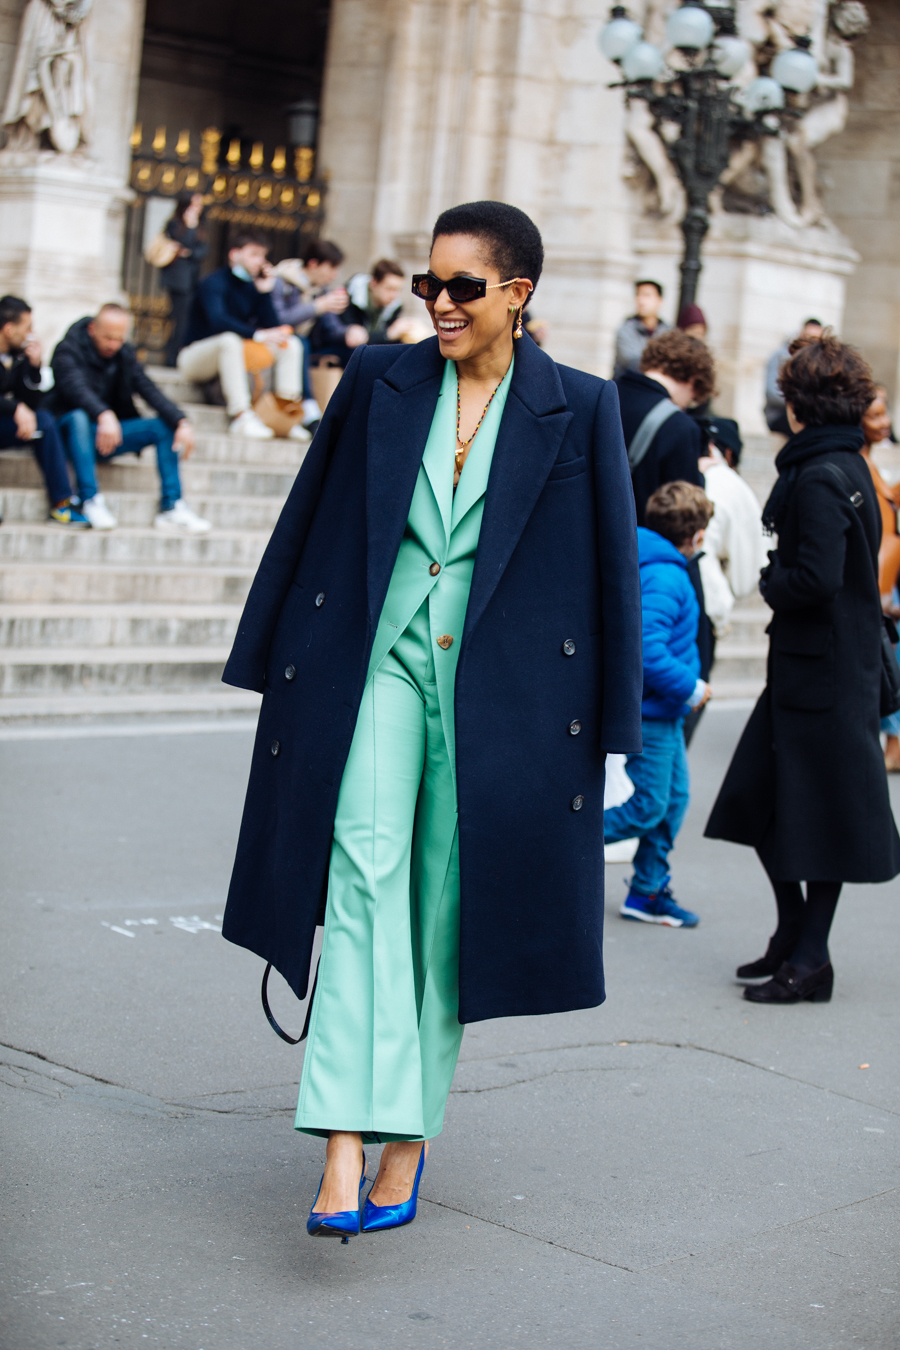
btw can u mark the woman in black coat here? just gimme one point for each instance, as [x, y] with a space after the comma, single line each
[182, 276]
[535, 606]
[807, 786]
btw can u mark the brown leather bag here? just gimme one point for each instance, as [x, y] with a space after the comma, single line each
[281, 414]
[324, 376]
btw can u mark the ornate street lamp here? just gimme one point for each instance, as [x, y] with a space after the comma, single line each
[699, 98]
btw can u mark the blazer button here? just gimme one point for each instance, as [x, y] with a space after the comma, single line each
[445, 641]
[320, 599]
[569, 647]
[434, 569]
[276, 749]
[577, 803]
[574, 727]
[291, 671]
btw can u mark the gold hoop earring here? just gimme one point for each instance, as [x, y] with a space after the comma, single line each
[517, 330]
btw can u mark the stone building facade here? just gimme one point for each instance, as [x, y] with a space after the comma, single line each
[423, 103]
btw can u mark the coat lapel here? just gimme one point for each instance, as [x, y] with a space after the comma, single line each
[534, 423]
[400, 416]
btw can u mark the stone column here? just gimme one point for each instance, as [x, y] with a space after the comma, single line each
[434, 102]
[62, 214]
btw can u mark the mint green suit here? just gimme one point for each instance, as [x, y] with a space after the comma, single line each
[384, 1033]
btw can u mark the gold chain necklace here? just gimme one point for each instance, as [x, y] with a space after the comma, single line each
[459, 455]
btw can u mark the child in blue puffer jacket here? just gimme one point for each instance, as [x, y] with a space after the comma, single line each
[677, 515]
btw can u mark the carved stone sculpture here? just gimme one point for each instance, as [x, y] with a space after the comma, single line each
[49, 90]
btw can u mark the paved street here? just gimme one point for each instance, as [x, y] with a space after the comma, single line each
[677, 1168]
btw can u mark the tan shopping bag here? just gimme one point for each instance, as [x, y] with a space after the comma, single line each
[324, 376]
[281, 414]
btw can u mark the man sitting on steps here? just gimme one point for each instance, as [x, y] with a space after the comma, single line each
[97, 373]
[229, 310]
[22, 421]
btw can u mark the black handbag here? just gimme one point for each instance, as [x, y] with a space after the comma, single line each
[890, 671]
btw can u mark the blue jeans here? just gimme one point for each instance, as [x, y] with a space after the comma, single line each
[656, 808]
[48, 452]
[79, 432]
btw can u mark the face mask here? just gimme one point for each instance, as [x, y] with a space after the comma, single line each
[241, 273]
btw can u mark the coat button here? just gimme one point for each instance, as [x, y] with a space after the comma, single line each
[574, 727]
[434, 569]
[445, 641]
[320, 599]
[291, 671]
[569, 647]
[276, 748]
[577, 803]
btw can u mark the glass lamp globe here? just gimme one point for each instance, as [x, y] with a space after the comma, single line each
[763, 95]
[730, 54]
[619, 35]
[642, 62]
[689, 28]
[796, 70]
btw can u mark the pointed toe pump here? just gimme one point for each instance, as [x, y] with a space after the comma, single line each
[344, 1224]
[377, 1217]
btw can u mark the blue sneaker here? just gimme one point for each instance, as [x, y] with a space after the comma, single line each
[660, 908]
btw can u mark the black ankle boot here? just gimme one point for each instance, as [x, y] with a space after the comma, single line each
[789, 986]
[777, 953]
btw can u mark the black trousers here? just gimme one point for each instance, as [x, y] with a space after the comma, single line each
[181, 305]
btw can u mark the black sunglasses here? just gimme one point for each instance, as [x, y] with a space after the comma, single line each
[461, 290]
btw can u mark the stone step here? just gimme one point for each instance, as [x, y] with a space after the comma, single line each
[749, 625]
[52, 627]
[21, 505]
[130, 474]
[724, 687]
[125, 545]
[222, 704]
[242, 450]
[741, 660]
[27, 670]
[108, 583]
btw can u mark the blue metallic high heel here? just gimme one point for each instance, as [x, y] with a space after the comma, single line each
[344, 1224]
[376, 1217]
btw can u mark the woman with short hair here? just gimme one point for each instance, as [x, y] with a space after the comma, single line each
[182, 276]
[445, 629]
[807, 786]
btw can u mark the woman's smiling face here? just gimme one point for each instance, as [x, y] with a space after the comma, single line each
[466, 331]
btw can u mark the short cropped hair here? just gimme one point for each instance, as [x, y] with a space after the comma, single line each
[322, 251]
[12, 309]
[648, 281]
[677, 511]
[682, 358]
[386, 267]
[511, 239]
[112, 307]
[826, 382]
[245, 237]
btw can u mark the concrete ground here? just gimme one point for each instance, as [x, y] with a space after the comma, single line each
[677, 1168]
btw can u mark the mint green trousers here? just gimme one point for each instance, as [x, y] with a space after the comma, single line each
[384, 1034]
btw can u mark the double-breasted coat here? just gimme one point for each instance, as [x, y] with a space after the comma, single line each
[548, 677]
[807, 785]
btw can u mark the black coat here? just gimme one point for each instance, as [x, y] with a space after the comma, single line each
[225, 303]
[675, 449]
[85, 379]
[556, 561]
[183, 274]
[20, 382]
[807, 785]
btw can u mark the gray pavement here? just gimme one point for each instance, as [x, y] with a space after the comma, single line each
[677, 1168]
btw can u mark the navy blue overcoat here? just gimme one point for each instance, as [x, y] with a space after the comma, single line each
[552, 638]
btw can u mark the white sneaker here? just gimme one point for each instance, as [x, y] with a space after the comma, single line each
[299, 433]
[248, 424]
[181, 518]
[311, 411]
[98, 513]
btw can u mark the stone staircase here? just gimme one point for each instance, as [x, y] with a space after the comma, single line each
[135, 623]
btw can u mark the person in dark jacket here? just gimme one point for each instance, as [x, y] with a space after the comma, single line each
[676, 370]
[674, 684]
[22, 420]
[182, 276]
[636, 331]
[371, 315]
[97, 375]
[442, 675]
[806, 787]
[234, 306]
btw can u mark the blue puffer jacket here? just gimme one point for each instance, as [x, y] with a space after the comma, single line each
[670, 617]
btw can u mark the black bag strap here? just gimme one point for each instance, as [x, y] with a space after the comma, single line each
[857, 500]
[264, 992]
